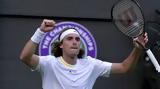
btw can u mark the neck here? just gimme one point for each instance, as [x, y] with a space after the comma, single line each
[70, 60]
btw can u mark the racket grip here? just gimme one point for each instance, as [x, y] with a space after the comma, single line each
[153, 60]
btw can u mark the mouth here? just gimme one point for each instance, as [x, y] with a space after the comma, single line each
[74, 47]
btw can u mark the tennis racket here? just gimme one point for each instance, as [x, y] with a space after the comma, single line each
[128, 18]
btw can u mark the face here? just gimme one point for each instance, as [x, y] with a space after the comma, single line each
[71, 45]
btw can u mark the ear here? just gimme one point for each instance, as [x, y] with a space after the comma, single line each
[61, 46]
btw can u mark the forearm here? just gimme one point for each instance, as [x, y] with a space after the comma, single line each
[27, 55]
[132, 59]
[28, 50]
[31, 45]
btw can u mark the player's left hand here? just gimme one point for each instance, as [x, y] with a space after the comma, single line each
[141, 40]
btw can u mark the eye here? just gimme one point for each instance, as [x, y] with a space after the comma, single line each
[69, 38]
[77, 39]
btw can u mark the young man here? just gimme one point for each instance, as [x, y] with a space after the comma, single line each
[68, 69]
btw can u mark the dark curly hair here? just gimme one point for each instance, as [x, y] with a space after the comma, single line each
[57, 51]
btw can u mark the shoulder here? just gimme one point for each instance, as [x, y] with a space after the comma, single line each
[47, 58]
[89, 59]
[46, 61]
[96, 61]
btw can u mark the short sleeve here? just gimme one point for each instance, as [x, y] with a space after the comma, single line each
[101, 68]
[107, 69]
[43, 62]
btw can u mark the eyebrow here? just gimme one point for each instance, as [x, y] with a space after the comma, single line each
[73, 37]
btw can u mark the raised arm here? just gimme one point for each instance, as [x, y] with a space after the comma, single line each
[27, 55]
[131, 60]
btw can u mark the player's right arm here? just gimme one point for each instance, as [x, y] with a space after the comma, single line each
[27, 55]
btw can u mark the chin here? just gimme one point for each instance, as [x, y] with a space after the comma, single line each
[74, 53]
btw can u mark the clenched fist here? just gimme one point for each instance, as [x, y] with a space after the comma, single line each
[47, 25]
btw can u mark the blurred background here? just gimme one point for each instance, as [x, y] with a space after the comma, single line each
[20, 18]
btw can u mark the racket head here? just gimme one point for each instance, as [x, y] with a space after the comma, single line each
[128, 18]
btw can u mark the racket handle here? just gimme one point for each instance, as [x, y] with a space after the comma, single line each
[153, 60]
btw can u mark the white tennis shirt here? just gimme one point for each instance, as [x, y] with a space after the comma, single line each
[56, 75]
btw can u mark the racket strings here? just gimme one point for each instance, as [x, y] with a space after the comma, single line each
[128, 17]
[136, 28]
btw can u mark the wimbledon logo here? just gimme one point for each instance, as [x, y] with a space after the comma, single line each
[88, 42]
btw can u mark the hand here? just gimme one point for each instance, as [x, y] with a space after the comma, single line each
[141, 40]
[47, 25]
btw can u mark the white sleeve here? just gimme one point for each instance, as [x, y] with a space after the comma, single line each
[107, 70]
[43, 61]
[101, 68]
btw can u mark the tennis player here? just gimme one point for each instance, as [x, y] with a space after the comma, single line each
[68, 69]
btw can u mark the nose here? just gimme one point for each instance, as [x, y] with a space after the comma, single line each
[75, 41]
